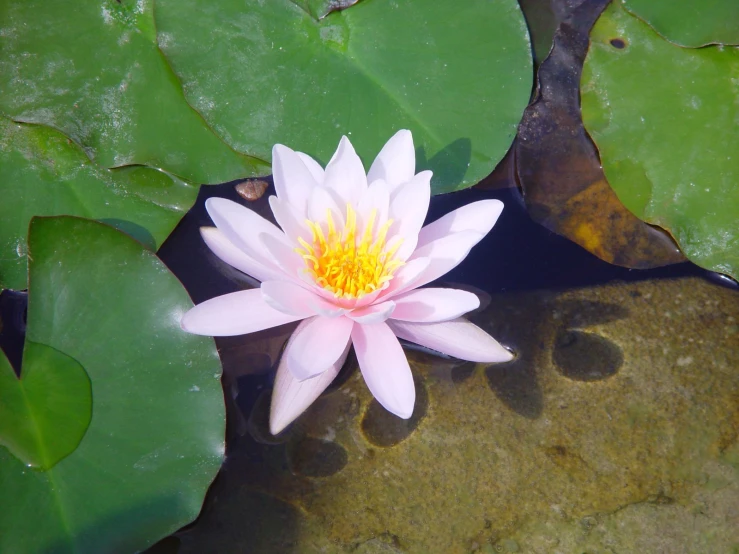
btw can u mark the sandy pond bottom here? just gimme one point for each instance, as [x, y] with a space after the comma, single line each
[614, 431]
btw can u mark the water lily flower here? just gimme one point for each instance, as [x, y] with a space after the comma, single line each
[347, 261]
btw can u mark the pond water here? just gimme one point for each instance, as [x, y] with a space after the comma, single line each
[613, 430]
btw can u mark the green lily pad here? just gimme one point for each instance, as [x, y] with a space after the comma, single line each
[664, 119]
[155, 440]
[691, 23]
[92, 69]
[44, 173]
[45, 413]
[458, 75]
[321, 8]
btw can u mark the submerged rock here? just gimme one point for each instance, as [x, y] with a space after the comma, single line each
[613, 430]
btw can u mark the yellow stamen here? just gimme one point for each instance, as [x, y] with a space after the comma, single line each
[345, 265]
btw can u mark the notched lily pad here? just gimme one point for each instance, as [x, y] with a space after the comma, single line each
[558, 167]
[458, 75]
[92, 69]
[45, 413]
[691, 23]
[100, 300]
[44, 173]
[668, 142]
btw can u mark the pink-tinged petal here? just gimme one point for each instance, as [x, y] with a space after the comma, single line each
[235, 257]
[242, 227]
[376, 313]
[458, 338]
[329, 310]
[292, 297]
[478, 217]
[317, 343]
[237, 313]
[320, 203]
[376, 198]
[313, 166]
[393, 241]
[284, 256]
[385, 368]
[408, 209]
[405, 277]
[290, 397]
[367, 299]
[293, 180]
[444, 254]
[396, 162]
[345, 173]
[306, 280]
[433, 305]
[483, 296]
[289, 219]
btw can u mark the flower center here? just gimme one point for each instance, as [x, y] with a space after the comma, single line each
[346, 264]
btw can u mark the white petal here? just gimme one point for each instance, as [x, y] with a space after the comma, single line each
[477, 216]
[320, 203]
[289, 219]
[458, 338]
[376, 313]
[432, 305]
[327, 309]
[305, 279]
[313, 166]
[406, 276]
[376, 198]
[293, 180]
[235, 257]
[317, 344]
[345, 173]
[408, 209]
[283, 256]
[396, 162]
[237, 313]
[242, 228]
[367, 299]
[292, 299]
[291, 397]
[385, 368]
[444, 254]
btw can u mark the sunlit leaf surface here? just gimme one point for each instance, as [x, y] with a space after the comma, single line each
[92, 69]
[457, 74]
[44, 173]
[664, 119]
[691, 23]
[155, 440]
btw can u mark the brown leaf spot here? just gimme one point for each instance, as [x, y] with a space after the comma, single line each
[618, 43]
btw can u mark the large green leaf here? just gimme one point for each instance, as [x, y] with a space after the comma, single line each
[458, 74]
[44, 173]
[321, 8]
[690, 23]
[43, 415]
[665, 121]
[92, 69]
[155, 440]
